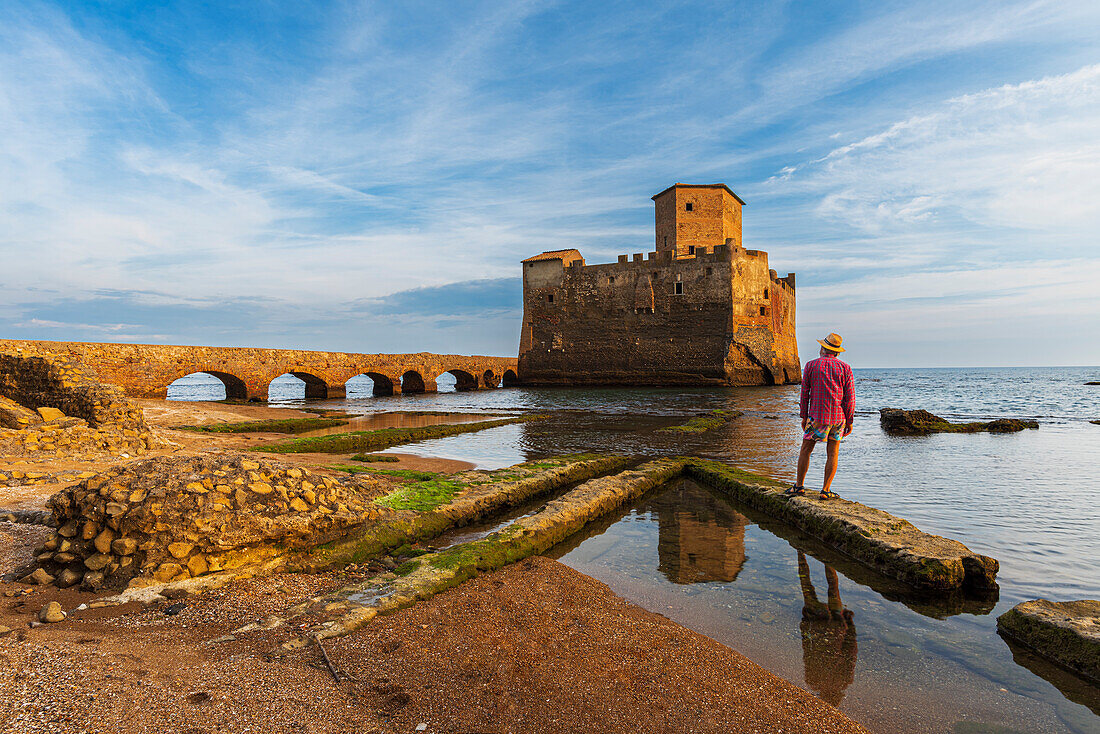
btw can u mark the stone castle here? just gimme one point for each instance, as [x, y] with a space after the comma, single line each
[699, 310]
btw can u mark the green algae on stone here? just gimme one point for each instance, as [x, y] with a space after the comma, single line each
[375, 458]
[354, 441]
[421, 510]
[427, 575]
[703, 423]
[273, 425]
[413, 475]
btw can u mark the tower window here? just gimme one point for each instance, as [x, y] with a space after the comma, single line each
[763, 310]
[689, 207]
[549, 297]
[691, 249]
[666, 240]
[678, 289]
[610, 279]
[765, 293]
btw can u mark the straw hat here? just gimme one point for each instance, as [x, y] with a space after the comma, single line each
[832, 343]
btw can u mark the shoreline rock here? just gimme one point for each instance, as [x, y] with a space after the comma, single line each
[1064, 632]
[898, 422]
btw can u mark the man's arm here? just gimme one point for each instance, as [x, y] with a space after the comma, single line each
[804, 396]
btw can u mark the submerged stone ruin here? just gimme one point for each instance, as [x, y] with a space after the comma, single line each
[52, 406]
[1065, 632]
[898, 422]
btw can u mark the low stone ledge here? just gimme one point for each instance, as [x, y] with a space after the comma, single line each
[478, 495]
[888, 544]
[898, 422]
[427, 575]
[1064, 632]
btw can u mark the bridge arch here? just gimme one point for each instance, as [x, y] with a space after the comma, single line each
[235, 387]
[490, 378]
[383, 384]
[315, 387]
[463, 380]
[412, 382]
[510, 379]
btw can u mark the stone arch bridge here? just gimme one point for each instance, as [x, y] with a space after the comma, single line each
[146, 370]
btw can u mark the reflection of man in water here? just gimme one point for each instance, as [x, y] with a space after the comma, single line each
[828, 637]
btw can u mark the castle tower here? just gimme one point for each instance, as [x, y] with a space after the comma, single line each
[696, 215]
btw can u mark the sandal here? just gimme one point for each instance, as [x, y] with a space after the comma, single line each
[828, 494]
[795, 491]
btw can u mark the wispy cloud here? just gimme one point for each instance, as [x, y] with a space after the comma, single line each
[296, 174]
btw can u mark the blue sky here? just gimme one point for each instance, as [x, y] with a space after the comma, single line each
[366, 176]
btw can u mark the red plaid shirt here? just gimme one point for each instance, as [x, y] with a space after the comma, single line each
[828, 392]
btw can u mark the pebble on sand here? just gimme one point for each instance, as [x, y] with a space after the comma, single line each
[52, 612]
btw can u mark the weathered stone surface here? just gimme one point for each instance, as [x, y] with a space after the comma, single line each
[52, 612]
[171, 531]
[920, 423]
[889, 544]
[123, 546]
[15, 416]
[146, 370]
[700, 310]
[68, 577]
[1065, 632]
[38, 576]
[49, 415]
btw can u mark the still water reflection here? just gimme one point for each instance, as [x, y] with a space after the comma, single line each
[918, 664]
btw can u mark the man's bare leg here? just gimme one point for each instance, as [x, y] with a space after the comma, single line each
[832, 449]
[804, 460]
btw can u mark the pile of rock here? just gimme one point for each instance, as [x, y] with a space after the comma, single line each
[171, 518]
[51, 406]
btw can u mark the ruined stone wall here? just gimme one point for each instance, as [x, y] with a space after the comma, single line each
[625, 323]
[146, 370]
[171, 518]
[50, 405]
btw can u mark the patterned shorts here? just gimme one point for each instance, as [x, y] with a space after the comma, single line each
[830, 432]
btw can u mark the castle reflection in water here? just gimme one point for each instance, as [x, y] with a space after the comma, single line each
[702, 539]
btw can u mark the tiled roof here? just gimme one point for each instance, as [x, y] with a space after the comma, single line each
[566, 256]
[701, 186]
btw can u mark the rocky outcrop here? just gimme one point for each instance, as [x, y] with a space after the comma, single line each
[172, 518]
[1065, 632]
[888, 544]
[900, 422]
[52, 406]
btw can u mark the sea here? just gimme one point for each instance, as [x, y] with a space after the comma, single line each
[890, 659]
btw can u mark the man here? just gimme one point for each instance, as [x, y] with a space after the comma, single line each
[827, 407]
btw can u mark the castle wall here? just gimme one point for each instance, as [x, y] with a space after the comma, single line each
[624, 323]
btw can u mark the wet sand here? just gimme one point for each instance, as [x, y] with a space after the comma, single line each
[535, 647]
